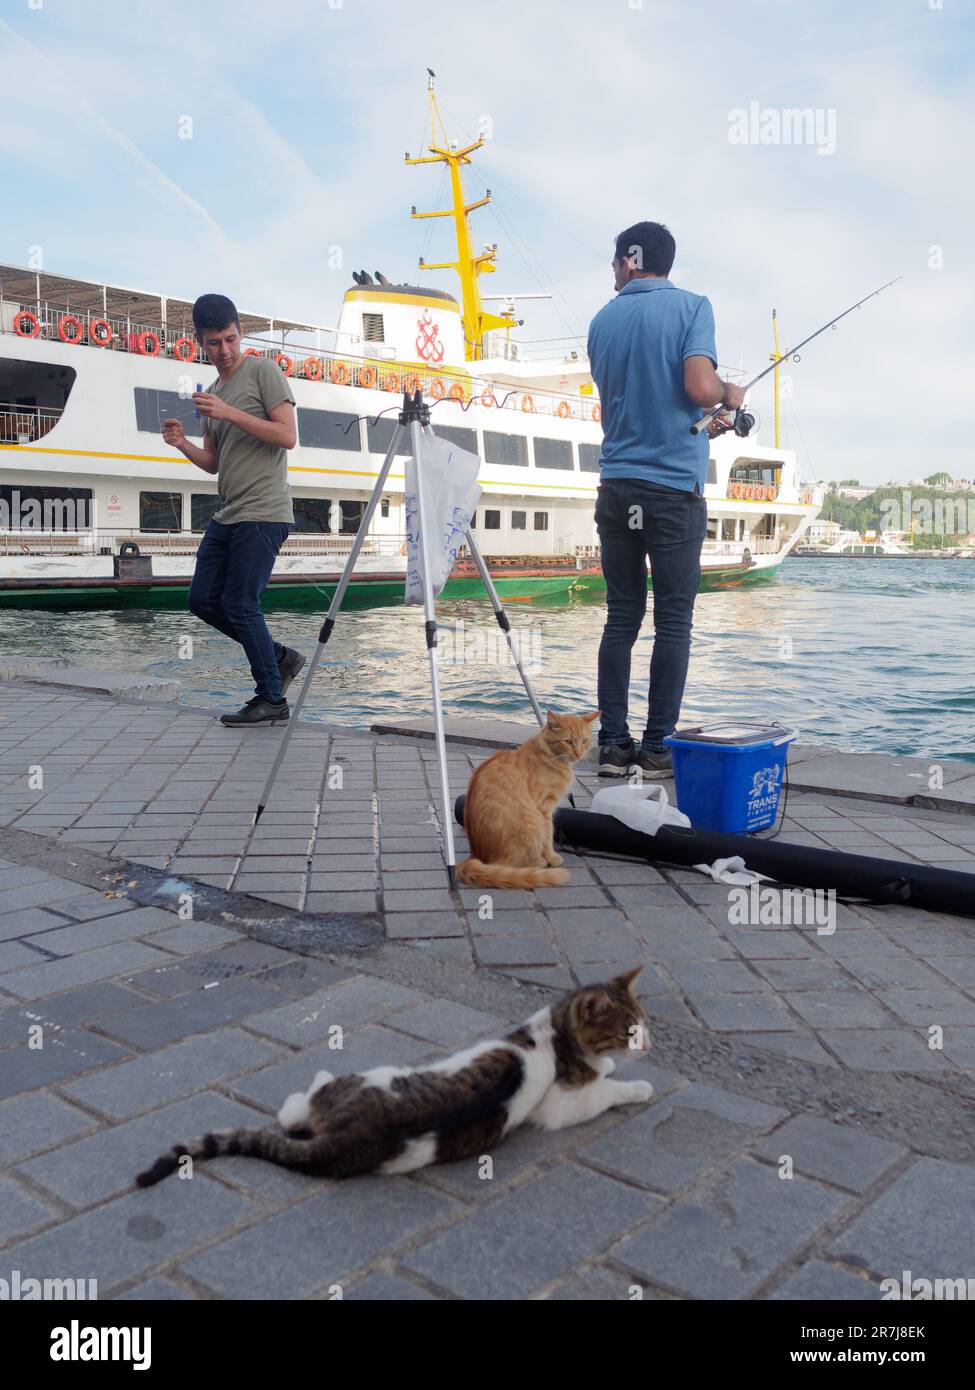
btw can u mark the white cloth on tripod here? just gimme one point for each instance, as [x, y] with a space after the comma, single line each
[450, 496]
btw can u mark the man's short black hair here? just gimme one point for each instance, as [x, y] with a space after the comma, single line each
[214, 311]
[651, 246]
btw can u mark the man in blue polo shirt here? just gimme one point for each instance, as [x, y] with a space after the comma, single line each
[652, 356]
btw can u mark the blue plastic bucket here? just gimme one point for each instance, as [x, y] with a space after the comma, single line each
[729, 776]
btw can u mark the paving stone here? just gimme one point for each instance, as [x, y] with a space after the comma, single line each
[773, 945]
[448, 1024]
[90, 905]
[817, 1280]
[514, 950]
[362, 999]
[726, 1238]
[304, 975]
[505, 1250]
[154, 1025]
[936, 1005]
[673, 1142]
[337, 902]
[194, 972]
[191, 1065]
[63, 1054]
[598, 1284]
[882, 1049]
[45, 892]
[410, 924]
[106, 1163]
[319, 1242]
[924, 1222]
[191, 937]
[838, 1008]
[134, 1235]
[387, 1288]
[832, 1153]
[27, 922]
[695, 942]
[33, 1122]
[789, 1045]
[52, 977]
[85, 936]
[517, 923]
[740, 1013]
[20, 1212]
[714, 977]
[155, 1290]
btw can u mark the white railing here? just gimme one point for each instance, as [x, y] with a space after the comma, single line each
[758, 545]
[342, 369]
[20, 424]
[35, 541]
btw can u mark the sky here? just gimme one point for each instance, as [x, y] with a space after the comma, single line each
[256, 150]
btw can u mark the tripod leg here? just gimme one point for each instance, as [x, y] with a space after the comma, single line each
[329, 623]
[503, 624]
[431, 633]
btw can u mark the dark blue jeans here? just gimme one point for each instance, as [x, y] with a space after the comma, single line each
[637, 520]
[233, 565]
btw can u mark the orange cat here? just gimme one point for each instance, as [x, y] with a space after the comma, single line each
[510, 800]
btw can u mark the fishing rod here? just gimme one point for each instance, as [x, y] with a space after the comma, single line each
[743, 421]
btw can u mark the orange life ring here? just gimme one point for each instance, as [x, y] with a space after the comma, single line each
[528, 405]
[597, 413]
[67, 321]
[312, 368]
[437, 389]
[284, 362]
[456, 392]
[25, 316]
[179, 350]
[392, 382]
[411, 383]
[564, 410]
[340, 374]
[148, 343]
[367, 377]
[735, 490]
[249, 352]
[487, 398]
[97, 336]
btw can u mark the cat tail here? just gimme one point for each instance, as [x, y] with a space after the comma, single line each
[504, 876]
[249, 1143]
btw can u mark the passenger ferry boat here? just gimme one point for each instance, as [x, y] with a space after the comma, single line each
[88, 372]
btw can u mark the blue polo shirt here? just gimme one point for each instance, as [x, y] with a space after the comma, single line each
[637, 346]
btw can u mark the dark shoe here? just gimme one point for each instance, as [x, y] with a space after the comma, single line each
[653, 764]
[616, 761]
[289, 666]
[258, 711]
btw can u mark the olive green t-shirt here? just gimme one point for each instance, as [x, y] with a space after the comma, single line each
[252, 477]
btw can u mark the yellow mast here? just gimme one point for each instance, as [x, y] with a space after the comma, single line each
[468, 266]
[776, 357]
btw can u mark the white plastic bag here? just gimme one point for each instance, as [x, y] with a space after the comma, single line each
[450, 496]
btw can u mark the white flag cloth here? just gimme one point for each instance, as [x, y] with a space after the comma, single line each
[450, 494]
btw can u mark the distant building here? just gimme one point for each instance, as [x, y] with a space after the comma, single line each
[824, 532]
[855, 494]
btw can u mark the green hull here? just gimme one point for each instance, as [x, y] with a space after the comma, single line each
[314, 596]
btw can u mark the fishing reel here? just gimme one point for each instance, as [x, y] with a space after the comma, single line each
[744, 423]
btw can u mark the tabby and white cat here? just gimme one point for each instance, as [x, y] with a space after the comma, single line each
[509, 805]
[553, 1071]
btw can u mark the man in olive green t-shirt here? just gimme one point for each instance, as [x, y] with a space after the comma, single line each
[249, 427]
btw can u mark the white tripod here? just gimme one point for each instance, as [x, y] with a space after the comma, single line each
[416, 416]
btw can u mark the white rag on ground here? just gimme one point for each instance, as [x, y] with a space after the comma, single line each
[450, 495]
[646, 807]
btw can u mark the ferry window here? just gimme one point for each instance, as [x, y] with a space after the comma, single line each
[312, 513]
[160, 511]
[380, 432]
[768, 474]
[509, 449]
[203, 505]
[553, 453]
[25, 507]
[589, 457]
[153, 407]
[541, 521]
[328, 429]
[464, 439]
[352, 514]
[384, 506]
[492, 520]
[728, 529]
[519, 521]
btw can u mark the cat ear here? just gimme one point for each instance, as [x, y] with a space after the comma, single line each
[590, 717]
[627, 978]
[553, 720]
[589, 1006]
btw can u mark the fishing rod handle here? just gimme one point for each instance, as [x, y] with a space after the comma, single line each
[705, 420]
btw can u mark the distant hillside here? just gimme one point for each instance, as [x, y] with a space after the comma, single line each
[936, 513]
